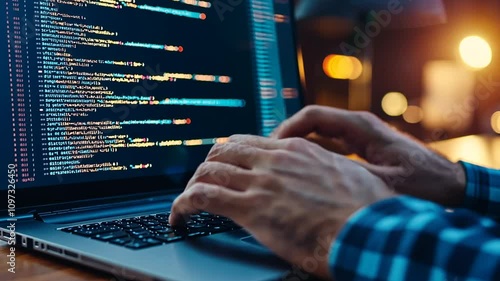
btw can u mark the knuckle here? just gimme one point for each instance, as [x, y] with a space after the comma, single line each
[263, 179]
[196, 191]
[367, 116]
[176, 203]
[216, 150]
[220, 177]
[269, 181]
[279, 158]
[203, 170]
[178, 207]
[250, 152]
[296, 144]
[258, 198]
[311, 110]
[212, 172]
[236, 138]
[197, 196]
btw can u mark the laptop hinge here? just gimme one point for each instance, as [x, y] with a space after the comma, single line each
[26, 216]
[89, 213]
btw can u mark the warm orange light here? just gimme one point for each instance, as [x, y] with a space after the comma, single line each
[342, 67]
[495, 122]
[394, 104]
[413, 114]
[476, 52]
[447, 84]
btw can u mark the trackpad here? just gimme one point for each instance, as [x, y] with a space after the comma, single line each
[250, 240]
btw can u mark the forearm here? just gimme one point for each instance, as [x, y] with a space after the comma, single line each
[409, 239]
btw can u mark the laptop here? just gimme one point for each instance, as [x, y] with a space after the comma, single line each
[109, 107]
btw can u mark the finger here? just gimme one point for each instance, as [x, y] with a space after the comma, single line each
[240, 155]
[257, 141]
[268, 144]
[325, 121]
[331, 144]
[356, 128]
[210, 198]
[224, 175]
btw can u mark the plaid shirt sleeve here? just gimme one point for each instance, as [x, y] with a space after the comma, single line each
[482, 193]
[405, 238]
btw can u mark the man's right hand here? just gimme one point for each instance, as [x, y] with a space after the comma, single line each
[402, 162]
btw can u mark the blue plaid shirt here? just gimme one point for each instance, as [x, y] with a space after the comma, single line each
[405, 238]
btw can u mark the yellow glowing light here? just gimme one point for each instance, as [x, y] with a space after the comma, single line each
[394, 104]
[476, 52]
[342, 67]
[413, 114]
[495, 122]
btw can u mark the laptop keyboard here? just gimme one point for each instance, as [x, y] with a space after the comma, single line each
[152, 230]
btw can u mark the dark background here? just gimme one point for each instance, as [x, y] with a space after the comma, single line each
[398, 57]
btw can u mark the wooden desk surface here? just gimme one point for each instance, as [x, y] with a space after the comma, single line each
[37, 267]
[481, 150]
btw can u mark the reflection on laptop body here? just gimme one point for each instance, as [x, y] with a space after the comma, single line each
[110, 106]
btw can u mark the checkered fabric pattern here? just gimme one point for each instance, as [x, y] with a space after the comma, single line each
[483, 190]
[405, 238]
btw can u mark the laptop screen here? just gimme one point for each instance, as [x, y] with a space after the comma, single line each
[105, 90]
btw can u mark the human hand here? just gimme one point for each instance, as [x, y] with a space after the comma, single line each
[291, 195]
[402, 162]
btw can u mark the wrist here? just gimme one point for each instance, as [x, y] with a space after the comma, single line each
[459, 183]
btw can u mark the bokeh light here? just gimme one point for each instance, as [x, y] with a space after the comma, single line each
[413, 114]
[495, 122]
[476, 52]
[342, 67]
[394, 104]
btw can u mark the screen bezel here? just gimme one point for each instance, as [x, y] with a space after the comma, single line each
[31, 198]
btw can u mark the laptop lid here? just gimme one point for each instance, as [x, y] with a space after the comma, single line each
[114, 98]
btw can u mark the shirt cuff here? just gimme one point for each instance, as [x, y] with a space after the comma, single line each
[482, 191]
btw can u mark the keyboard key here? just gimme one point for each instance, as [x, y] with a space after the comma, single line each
[216, 223]
[165, 230]
[70, 229]
[217, 229]
[196, 234]
[163, 216]
[143, 236]
[220, 218]
[110, 236]
[164, 222]
[121, 241]
[155, 228]
[139, 232]
[203, 219]
[146, 231]
[137, 244]
[181, 231]
[129, 225]
[195, 225]
[153, 241]
[168, 238]
[84, 232]
[150, 223]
